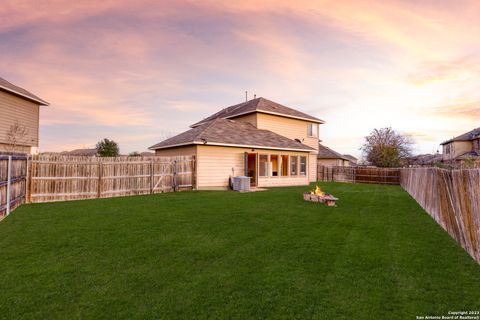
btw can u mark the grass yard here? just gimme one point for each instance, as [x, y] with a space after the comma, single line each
[228, 255]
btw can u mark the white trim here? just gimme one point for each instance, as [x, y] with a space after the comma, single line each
[42, 102]
[300, 167]
[289, 116]
[229, 145]
[259, 111]
[172, 145]
[311, 123]
[250, 146]
[267, 169]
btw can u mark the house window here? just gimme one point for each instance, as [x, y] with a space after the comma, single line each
[312, 130]
[447, 149]
[284, 165]
[303, 166]
[274, 165]
[293, 165]
[263, 165]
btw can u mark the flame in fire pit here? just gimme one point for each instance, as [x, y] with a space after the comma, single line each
[317, 191]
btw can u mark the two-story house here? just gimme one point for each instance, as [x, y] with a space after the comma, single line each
[273, 144]
[462, 146]
[19, 118]
[328, 157]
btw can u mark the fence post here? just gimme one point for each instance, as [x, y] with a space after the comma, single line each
[174, 175]
[28, 178]
[9, 181]
[99, 187]
[152, 175]
[194, 173]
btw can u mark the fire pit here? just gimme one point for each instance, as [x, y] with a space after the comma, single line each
[317, 195]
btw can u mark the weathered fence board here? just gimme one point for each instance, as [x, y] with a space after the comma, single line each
[452, 198]
[13, 172]
[359, 174]
[60, 178]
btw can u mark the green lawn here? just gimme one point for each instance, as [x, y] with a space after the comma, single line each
[228, 255]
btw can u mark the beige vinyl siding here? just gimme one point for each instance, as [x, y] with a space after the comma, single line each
[312, 167]
[18, 149]
[287, 127]
[282, 181]
[249, 118]
[327, 162]
[190, 150]
[457, 148]
[333, 162]
[216, 164]
[13, 108]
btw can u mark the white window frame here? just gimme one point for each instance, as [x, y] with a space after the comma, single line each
[300, 166]
[267, 170]
[282, 164]
[270, 163]
[296, 166]
[310, 127]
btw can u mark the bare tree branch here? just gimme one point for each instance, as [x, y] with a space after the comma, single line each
[16, 135]
[385, 147]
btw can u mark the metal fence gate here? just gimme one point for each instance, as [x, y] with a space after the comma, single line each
[13, 182]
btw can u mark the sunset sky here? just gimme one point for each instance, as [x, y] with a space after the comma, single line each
[138, 71]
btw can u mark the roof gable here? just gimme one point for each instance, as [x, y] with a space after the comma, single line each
[258, 105]
[325, 152]
[10, 87]
[468, 136]
[350, 157]
[232, 133]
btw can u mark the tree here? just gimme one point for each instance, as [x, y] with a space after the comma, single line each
[108, 148]
[385, 147]
[135, 154]
[16, 135]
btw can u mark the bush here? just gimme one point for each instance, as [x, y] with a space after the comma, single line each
[108, 148]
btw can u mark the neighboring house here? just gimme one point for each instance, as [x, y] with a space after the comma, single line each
[81, 152]
[353, 161]
[328, 157]
[19, 118]
[422, 160]
[461, 147]
[271, 143]
[147, 154]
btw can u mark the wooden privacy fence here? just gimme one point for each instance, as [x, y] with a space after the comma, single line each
[452, 198]
[60, 178]
[13, 172]
[359, 174]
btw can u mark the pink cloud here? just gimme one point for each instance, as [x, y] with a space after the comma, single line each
[162, 65]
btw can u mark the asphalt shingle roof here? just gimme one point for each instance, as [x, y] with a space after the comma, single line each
[468, 136]
[230, 132]
[325, 152]
[10, 87]
[258, 105]
[469, 154]
[81, 152]
[350, 157]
